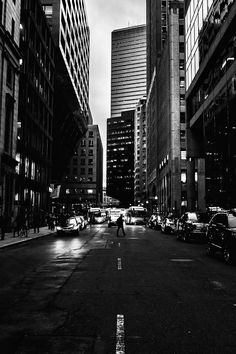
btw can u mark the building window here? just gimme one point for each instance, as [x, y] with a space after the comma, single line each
[12, 28]
[90, 171]
[82, 171]
[8, 124]
[82, 162]
[1, 6]
[48, 9]
[182, 117]
[181, 47]
[10, 75]
[181, 30]
[183, 155]
[90, 142]
[183, 176]
[90, 134]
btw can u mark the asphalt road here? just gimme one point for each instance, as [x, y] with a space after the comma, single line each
[146, 293]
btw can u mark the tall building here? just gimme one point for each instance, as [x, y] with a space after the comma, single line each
[82, 185]
[157, 27]
[211, 100]
[120, 158]
[128, 86]
[166, 127]
[9, 83]
[35, 119]
[128, 68]
[68, 22]
[140, 153]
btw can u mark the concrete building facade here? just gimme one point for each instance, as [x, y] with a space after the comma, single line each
[211, 100]
[35, 118]
[84, 175]
[156, 27]
[166, 127]
[140, 153]
[9, 91]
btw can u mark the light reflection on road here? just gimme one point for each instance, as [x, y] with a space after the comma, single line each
[72, 244]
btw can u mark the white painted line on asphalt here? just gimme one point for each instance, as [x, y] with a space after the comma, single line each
[181, 260]
[118, 244]
[217, 284]
[119, 264]
[120, 334]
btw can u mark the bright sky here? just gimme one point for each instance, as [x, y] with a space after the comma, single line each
[104, 16]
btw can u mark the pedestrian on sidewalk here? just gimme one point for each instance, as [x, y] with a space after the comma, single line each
[16, 225]
[36, 221]
[120, 225]
[3, 225]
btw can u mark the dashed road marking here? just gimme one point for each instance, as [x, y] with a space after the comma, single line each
[119, 264]
[120, 334]
[181, 260]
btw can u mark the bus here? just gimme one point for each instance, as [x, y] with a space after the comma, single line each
[136, 215]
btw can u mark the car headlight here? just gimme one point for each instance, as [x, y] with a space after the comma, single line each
[58, 228]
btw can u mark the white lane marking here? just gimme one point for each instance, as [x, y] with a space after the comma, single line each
[119, 264]
[120, 334]
[118, 244]
[217, 284]
[181, 260]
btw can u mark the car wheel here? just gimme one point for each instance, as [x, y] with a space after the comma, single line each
[227, 255]
[178, 235]
[185, 237]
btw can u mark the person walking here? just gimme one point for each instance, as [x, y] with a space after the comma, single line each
[16, 225]
[3, 225]
[120, 225]
[36, 221]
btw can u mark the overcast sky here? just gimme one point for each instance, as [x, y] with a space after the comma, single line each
[104, 16]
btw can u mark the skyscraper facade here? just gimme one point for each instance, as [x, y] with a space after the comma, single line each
[120, 157]
[68, 22]
[35, 119]
[9, 82]
[211, 100]
[128, 86]
[128, 68]
[140, 152]
[157, 26]
[166, 127]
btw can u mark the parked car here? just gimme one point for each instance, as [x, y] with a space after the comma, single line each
[192, 225]
[154, 222]
[68, 226]
[168, 225]
[221, 235]
[82, 221]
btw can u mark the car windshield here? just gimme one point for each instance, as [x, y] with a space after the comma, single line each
[71, 221]
[232, 221]
[200, 217]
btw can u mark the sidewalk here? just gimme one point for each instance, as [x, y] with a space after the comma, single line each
[10, 240]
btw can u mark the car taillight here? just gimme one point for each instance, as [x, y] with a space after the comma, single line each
[233, 233]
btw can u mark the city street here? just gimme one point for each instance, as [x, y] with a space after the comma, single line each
[145, 293]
